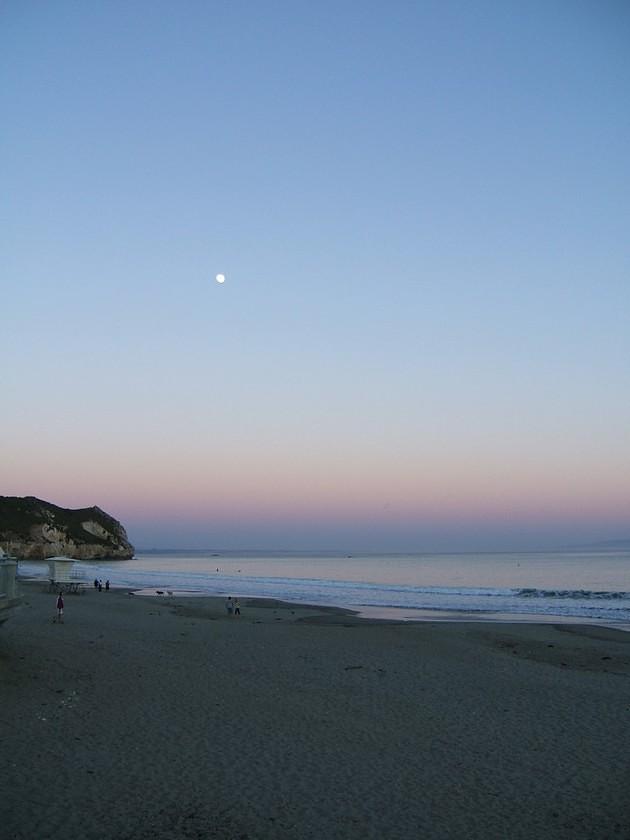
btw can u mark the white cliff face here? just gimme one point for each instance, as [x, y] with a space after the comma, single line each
[95, 529]
[41, 549]
[47, 533]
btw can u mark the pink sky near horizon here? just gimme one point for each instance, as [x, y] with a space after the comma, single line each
[392, 493]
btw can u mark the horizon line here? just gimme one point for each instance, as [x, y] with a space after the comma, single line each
[602, 545]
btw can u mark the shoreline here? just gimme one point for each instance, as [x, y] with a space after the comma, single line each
[369, 613]
[403, 614]
[496, 592]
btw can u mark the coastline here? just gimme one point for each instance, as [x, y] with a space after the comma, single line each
[155, 717]
[402, 614]
[536, 586]
[489, 617]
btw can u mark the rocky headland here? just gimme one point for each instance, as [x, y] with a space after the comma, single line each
[33, 529]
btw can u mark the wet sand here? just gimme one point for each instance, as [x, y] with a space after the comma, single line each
[165, 718]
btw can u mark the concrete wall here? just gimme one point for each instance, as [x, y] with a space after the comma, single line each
[9, 597]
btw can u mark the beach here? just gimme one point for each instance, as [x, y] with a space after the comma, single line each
[165, 717]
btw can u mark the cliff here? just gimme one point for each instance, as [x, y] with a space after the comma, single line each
[33, 529]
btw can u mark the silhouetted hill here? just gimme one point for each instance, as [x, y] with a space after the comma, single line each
[32, 528]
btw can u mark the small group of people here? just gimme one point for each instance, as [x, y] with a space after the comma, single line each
[98, 584]
[232, 606]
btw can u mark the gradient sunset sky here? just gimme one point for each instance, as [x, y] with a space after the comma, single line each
[422, 210]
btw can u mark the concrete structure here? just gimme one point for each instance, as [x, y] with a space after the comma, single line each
[9, 597]
[65, 576]
[60, 569]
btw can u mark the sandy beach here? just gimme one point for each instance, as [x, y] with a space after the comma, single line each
[167, 718]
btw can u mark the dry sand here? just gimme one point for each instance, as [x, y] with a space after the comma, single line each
[165, 718]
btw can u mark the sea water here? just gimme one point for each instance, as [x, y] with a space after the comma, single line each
[568, 585]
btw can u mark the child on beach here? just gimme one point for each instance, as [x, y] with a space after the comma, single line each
[228, 605]
[237, 607]
[60, 608]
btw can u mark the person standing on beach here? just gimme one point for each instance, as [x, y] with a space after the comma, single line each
[60, 608]
[237, 607]
[107, 586]
[228, 605]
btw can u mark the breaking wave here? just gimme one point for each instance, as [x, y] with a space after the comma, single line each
[574, 594]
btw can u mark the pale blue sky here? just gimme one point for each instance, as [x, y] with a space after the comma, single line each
[422, 210]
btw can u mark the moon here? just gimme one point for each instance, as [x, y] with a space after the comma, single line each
[220, 278]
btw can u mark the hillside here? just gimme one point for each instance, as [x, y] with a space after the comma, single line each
[34, 529]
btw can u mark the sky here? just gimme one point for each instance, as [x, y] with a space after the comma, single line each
[422, 213]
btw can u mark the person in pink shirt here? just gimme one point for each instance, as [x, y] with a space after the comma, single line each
[60, 608]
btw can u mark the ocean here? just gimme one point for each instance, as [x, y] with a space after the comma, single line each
[550, 586]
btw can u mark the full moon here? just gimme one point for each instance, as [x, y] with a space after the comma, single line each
[220, 278]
